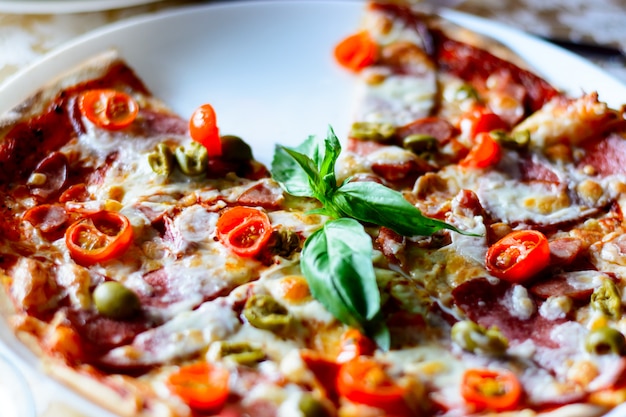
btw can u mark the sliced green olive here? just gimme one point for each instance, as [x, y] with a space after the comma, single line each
[518, 140]
[475, 338]
[235, 149]
[284, 242]
[312, 407]
[607, 299]
[606, 340]
[420, 143]
[241, 353]
[192, 160]
[115, 301]
[377, 132]
[466, 92]
[264, 312]
[161, 160]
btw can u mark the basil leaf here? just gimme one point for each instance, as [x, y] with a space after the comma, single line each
[374, 203]
[337, 263]
[309, 169]
[332, 149]
[294, 170]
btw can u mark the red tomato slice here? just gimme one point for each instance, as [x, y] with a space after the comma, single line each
[325, 370]
[108, 109]
[518, 256]
[202, 386]
[491, 389]
[485, 152]
[76, 192]
[363, 380]
[354, 344]
[99, 237]
[480, 119]
[356, 52]
[244, 230]
[203, 129]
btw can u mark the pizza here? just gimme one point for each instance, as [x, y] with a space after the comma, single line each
[459, 251]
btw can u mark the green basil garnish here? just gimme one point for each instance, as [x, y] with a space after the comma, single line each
[337, 263]
[337, 259]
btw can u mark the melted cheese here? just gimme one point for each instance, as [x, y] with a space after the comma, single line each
[185, 334]
[396, 99]
[518, 302]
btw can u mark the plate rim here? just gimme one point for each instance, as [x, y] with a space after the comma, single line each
[37, 7]
[478, 23]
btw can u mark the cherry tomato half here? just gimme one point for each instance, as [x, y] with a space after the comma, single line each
[108, 109]
[99, 237]
[480, 119]
[354, 344]
[496, 390]
[244, 230]
[363, 380]
[485, 152]
[203, 129]
[356, 52]
[202, 386]
[518, 256]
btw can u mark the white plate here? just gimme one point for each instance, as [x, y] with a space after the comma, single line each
[267, 68]
[65, 6]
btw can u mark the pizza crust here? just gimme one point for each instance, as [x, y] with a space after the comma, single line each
[117, 395]
[478, 40]
[93, 68]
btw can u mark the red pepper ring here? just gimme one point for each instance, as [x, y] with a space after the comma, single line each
[496, 390]
[100, 237]
[108, 109]
[202, 386]
[244, 230]
[363, 380]
[518, 256]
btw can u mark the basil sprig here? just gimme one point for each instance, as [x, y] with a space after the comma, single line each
[337, 263]
[337, 259]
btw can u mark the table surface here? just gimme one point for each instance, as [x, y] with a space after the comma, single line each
[26, 38]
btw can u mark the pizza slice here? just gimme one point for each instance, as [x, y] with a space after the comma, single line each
[471, 137]
[109, 234]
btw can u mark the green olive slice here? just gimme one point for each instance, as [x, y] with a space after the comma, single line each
[607, 299]
[475, 338]
[241, 353]
[419, 143]
[466, 92]
[312, 407]
[284, 242]
[378, 132]
[115, 301]
[518, 140]
[264, 312]
[192, 160]
[161, 160]
[606, 340]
